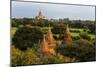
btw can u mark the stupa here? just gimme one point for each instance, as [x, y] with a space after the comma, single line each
[67, 36]
[48, 43]
[49, 37]
[44, 46]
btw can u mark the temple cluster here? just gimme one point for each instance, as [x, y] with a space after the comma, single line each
[49, 43]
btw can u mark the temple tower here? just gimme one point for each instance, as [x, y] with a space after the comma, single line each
[44, 46]
[49, 37]
[40, 16]
[48, 43]
[67, 36]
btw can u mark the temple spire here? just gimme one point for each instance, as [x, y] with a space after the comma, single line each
[48, 44]
[40, 13]
[67, 30]
[40, 16]
[67, 36]
[49, 36]
[44, 45]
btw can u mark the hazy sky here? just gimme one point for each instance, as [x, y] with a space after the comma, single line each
[73, 12]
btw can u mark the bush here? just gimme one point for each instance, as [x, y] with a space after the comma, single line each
[25, 37]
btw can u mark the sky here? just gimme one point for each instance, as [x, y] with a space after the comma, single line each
[55, 11]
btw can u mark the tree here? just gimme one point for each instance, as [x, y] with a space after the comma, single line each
[29, 58]
[92, 28]
[26, 37]
[82, 49]
[85, 36]
[59, 29]
[26, 21]
[16, 56]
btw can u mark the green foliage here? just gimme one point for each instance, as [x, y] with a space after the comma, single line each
[25, 37]
[76, 31]
[29, 58]
[49, 60]
[92, 28]
[76, 24]
[52, 59]
[81, 49]
[59, 29]
[88, 50]
[25, 40]
[16, 56]
[16, 22]
[75, 37]
[85, 36]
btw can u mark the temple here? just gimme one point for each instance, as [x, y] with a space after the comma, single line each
[40, 16]
[48, 43]
[67, 36]
[49, 37]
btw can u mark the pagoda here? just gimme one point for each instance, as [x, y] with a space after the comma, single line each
[40, 16]
[67, 36]
[48, 43]
[49, 37]
[44, 46]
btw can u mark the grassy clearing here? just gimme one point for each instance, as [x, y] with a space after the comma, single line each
[76, 29]
[75, 34]
[92, 36]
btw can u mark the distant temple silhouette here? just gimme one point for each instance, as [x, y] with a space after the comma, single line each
[40, 16]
